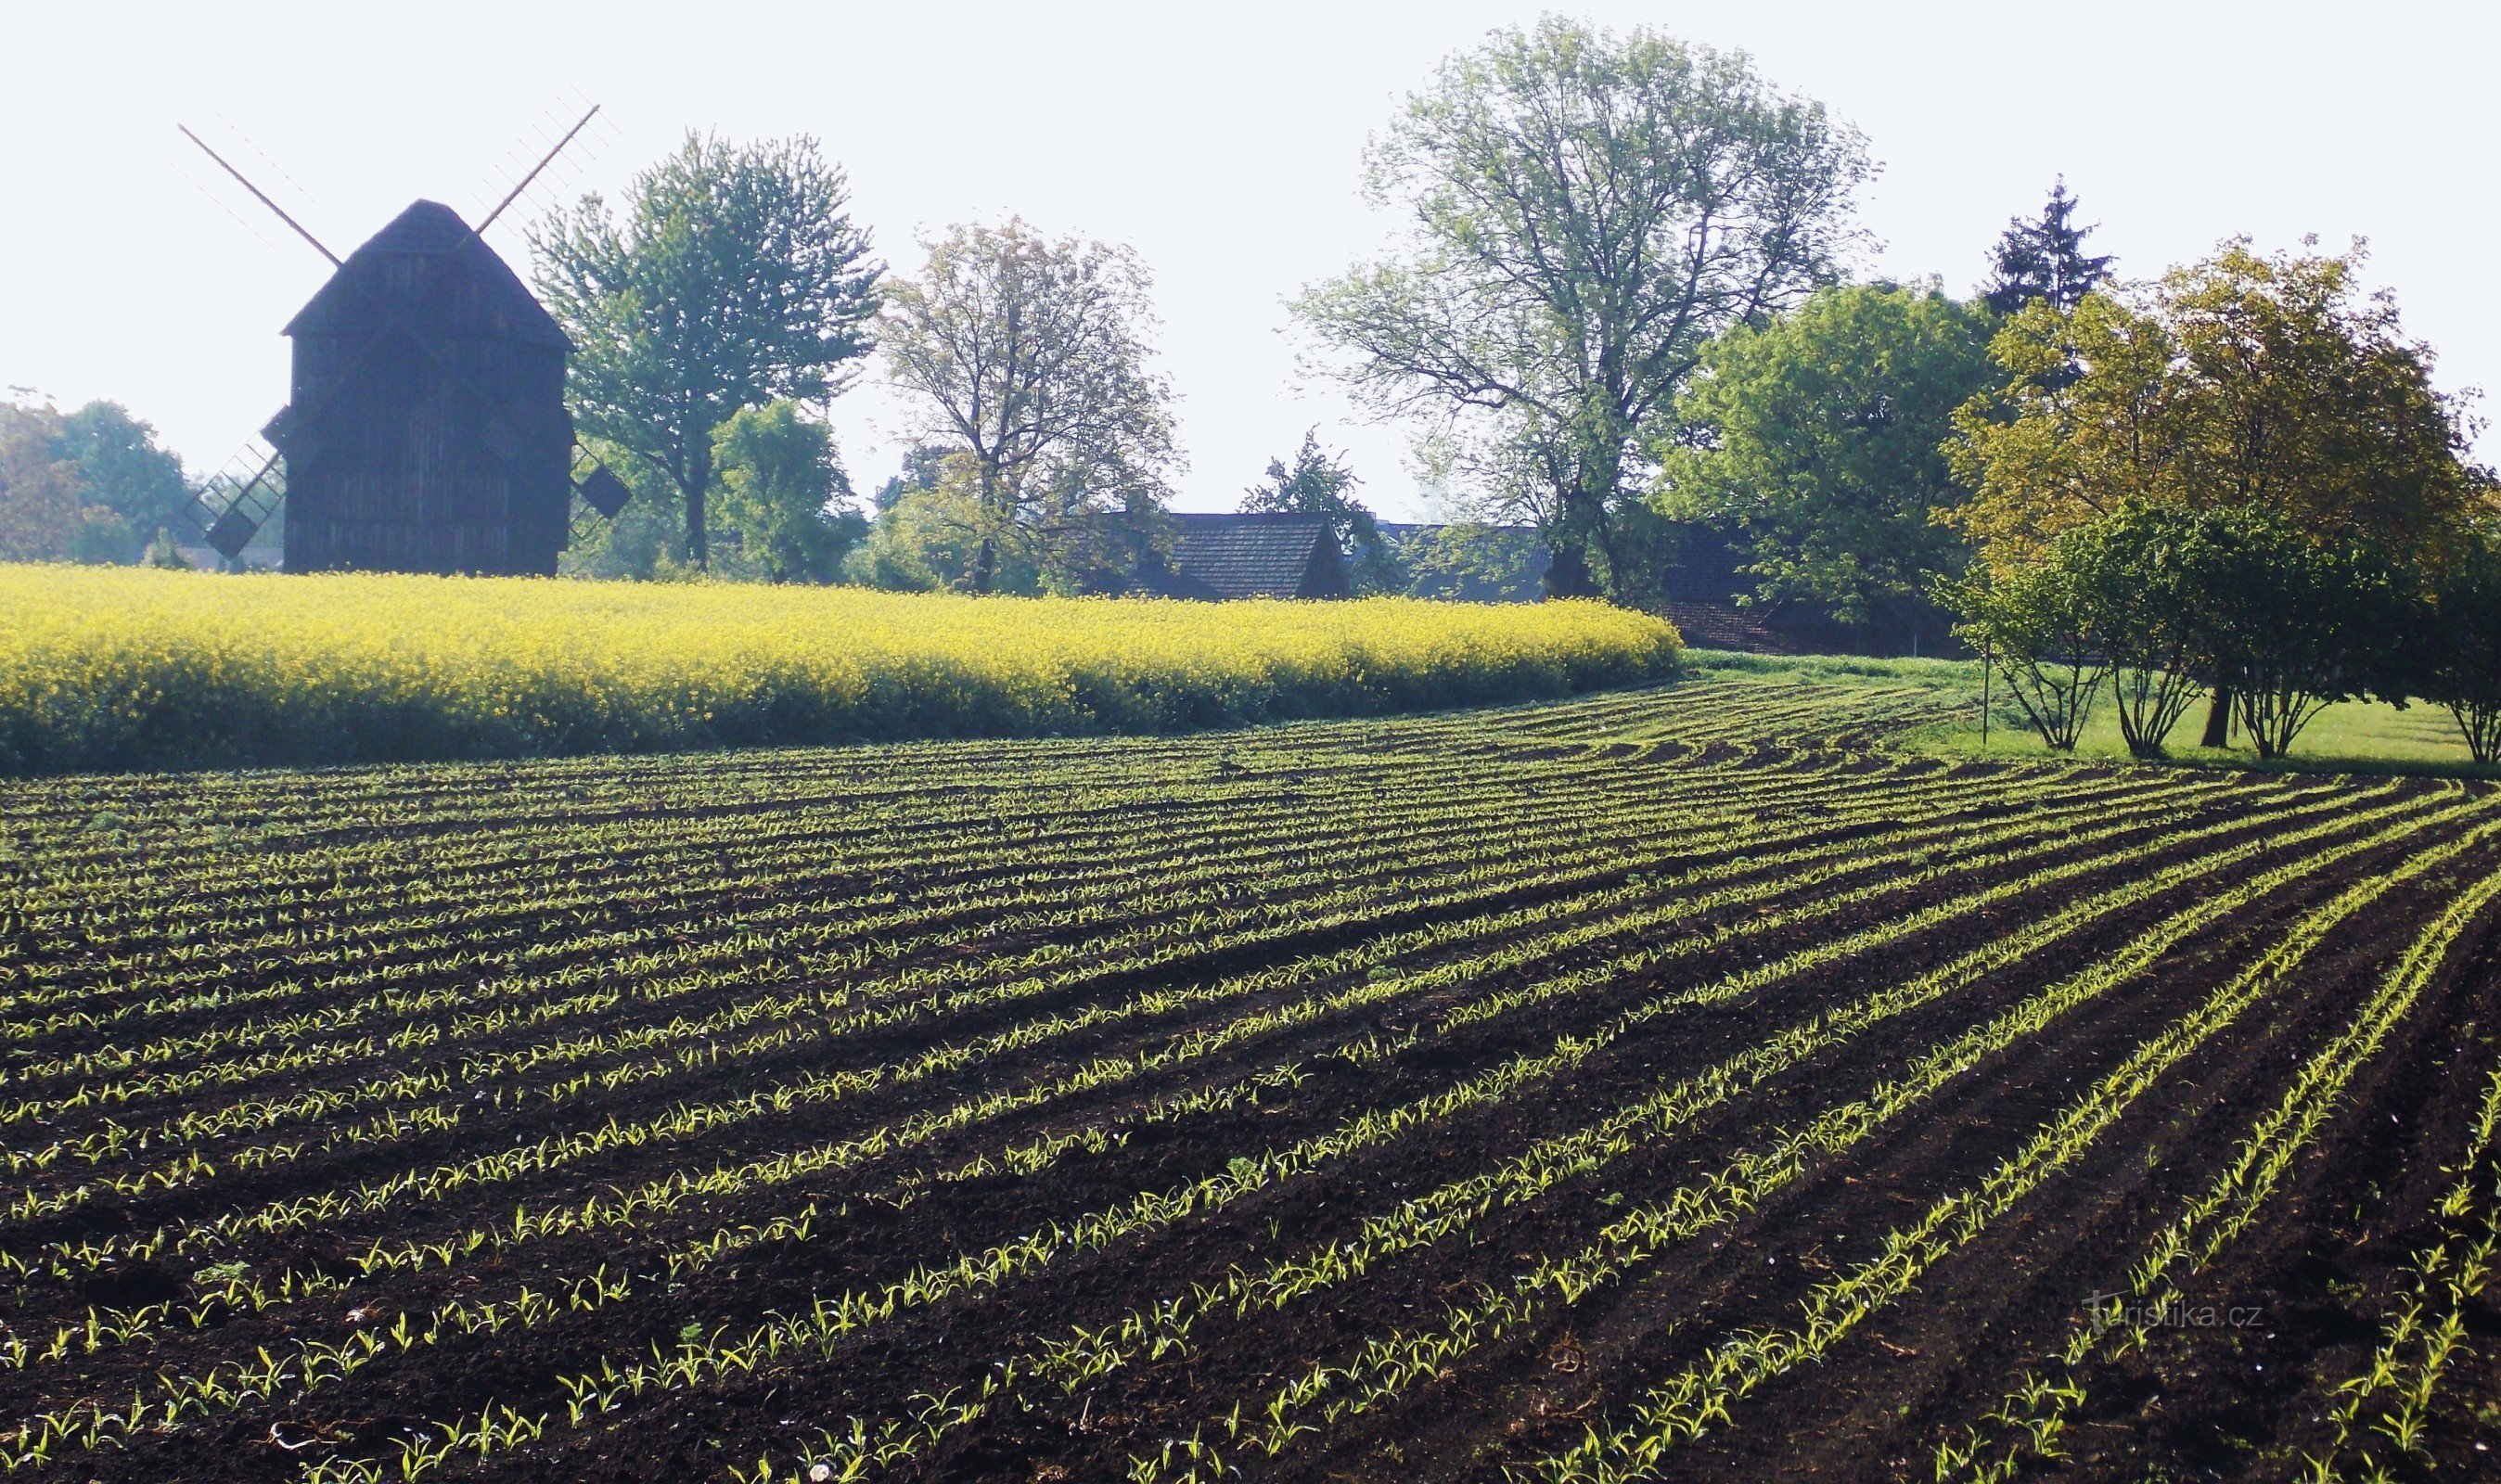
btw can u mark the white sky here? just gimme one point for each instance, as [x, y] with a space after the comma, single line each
[1222, 142]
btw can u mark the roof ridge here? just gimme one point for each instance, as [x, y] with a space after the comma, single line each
[429, 228]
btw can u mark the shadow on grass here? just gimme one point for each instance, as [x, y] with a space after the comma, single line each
[1963, 740]
[2400, 738]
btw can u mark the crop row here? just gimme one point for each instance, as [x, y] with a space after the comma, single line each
[1791, 877]
[835, 1318]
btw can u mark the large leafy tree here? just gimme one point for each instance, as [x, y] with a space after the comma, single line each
[1817, 432]
[2263, 380]
[42, 506]
[2290, 620]
[736, 277]
[2458, 664]
[135, 488]
[2036, 624]
[2144, 574]
[1318, 483]
[1029, 358]
[1586, 211]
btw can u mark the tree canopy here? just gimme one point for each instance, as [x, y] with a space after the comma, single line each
[2458, 665]
[779, 483]
[1818, 434]
[2265, 380]
[735, 278]
[1030, 360]
[2320, 472]
[90, 486]
[1318, 483]
[1586, 211]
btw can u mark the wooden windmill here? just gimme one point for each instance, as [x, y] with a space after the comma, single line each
[426, 428]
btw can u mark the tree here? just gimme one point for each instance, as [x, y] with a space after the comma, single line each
[2137, 573]
[1028, 358]
[90, 486]
[1318, 485]
[1472, 562]
[41, 509]
[1819, 434]
[2269, 382]
[2036, 624]
[924, 466]
[737, 279]
[134, 488]
[2293, 622]
[1588, 212]
[780, 485]
[2044, 261]
[2459, 663]
[2041, 454]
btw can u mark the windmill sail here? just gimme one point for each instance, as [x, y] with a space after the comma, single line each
[237, 501]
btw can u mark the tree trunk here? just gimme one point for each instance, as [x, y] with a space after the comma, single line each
[1577, 525]
[2218, 719]
[1567, 572]
[986, 565]
[698, 534]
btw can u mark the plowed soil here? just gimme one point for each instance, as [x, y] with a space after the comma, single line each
[1281, 1105]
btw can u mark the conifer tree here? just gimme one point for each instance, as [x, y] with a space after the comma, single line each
[2045, 259]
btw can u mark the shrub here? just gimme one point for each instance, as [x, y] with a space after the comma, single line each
[2458, 661]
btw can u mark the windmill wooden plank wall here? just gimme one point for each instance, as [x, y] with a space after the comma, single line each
[426, 429]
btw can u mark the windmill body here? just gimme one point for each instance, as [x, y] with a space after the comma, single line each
[426, 429]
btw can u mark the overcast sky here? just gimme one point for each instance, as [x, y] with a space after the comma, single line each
[1223, 143]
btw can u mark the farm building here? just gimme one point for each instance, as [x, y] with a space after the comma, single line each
[1472, 562]
[426, 429]
[1220, 557]
[1700, 594]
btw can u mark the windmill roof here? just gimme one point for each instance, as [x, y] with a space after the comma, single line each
[430, 229]
[1249, 555]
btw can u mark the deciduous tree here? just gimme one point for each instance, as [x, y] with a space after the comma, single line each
[1029, 357]
[41, 509]
[2262, 380]
[780, 484]
[2139, 573]
[1587, 211]
[2036, 624]
[134, 487]
[2265, 382]
[2456, 652]
[736, 277]
[1318, 483]
[1818, 433]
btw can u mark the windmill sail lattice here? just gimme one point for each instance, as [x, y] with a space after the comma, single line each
[233, 503]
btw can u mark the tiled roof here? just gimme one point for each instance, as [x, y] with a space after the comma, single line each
[1725, 626]
[428, 229]
[1253, 556]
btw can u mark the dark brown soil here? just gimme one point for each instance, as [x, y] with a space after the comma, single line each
[430, 922]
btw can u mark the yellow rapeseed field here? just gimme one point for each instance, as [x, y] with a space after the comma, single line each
[122, 668]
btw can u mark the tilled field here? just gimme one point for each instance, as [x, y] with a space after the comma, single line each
[1674, 1084]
